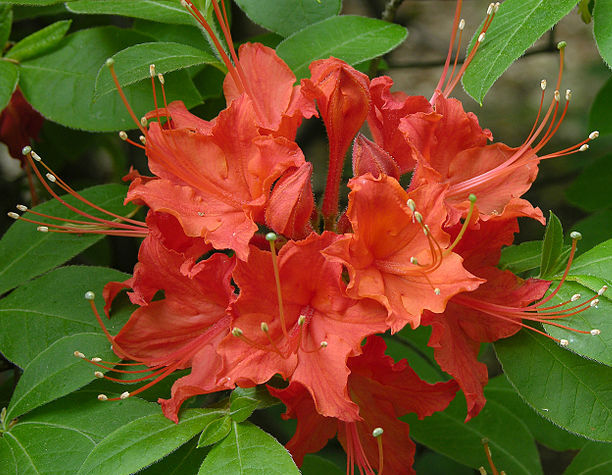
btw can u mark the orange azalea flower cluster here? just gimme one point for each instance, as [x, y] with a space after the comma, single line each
[259, 281]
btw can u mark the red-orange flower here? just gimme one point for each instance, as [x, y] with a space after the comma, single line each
[384, 391]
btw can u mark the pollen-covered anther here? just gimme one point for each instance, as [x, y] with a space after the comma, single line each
[575, 297]
[25, 150]
[323, 344]
[35, 156]
[96, 359]
[568, 94]
[264, 327]
[160, 76]
[237, 332]
[584, 148]
[594, 303]
[496, 7]
[575, 235]
[51, 177]
[481, 37]
[437, 291]
[564, 342]
[144, 121]
[593, 135]
[543, 84]
[595, 331]
[418, 216]
[491, 8]
[142, 139]
[377, 432]
[42, 229]
[110, 62]
[411, 204]
[78, 354]
[123, 135]
[89, 295]
[124, 395]
[602, 290]
[102, 397]
[22, 208]
[152, 70]
[557, 96]
[98, 374]
[13, 215]
[413, 260]
[461, 24]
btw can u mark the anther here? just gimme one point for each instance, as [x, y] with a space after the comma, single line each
[557, 96]
[25, 150]
[102, 397]
[482, 471]
[594, 303]
[42, 229]
[575, 297]
[491, 8]
[584, 147]
[98, 374]
[593, 135]
[264, 327]
[123, 135]
[78, 354]
[481, 37]
[143, 121]
[543, 84]
[595, 331]
[89, 295]
[323, 344]
[568, 94]
[110, 62]
[377, 432]
[143, 140]
[35, 156]
[96, 359]
[160, 76]
[413, 260]
[301, 320]
[124, 395]
[271, 237]
[51, 178]
[185, 4]
[472, 198]
[496, 7]
[152, 70]
[564, 342]
[411, 204]
[576, 235]
[12, 215]
[418, 216]
[461, 24]
[561, 44]
[602, 290]
[237, 332]
[437, 291]
[22, 208]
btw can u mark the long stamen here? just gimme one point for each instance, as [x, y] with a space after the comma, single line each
[485, 444]
[110, 62]
[271, 238]
[377, 434]
[466, 223]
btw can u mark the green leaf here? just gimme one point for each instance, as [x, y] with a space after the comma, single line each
[510, 441]
[81, 411]
[572, 392]
[589, 273]
[248, 450]
[52, 306]
[6, 22]
[132, 63]
[9, 77]
[183, 461]
[34, 3]
[144, 441]
[56, 372]
[516, 26]
[288, 16]
[595, 458]
[595, 229]
[185, 34]
[215, 431]
[26, 253]
[522, 257]
[39, 42]
[68, 76]
[591, 191]
[164, 11]
[351, 38]
[585, 11]
[315, 465]
[545, 432]
[602, 29]
[552, 247]
[43, 449]
[244, 401]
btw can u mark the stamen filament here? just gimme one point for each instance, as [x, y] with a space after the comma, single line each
[111, 66]
[271, 237]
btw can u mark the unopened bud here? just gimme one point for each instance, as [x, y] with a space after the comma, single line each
[564, 342]
[124, 395]
[13, 215]
[98, 374]
[22, 208]
[595, 331]
[102, 397]
[89, 295]
[593, 135]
